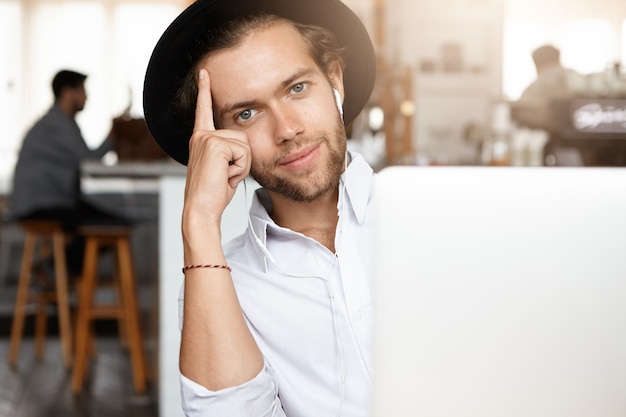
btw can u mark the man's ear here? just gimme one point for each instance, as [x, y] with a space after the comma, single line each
[335, 77]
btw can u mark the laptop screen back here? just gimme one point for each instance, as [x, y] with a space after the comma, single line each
[500, 292]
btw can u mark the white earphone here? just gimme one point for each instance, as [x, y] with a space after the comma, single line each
[338, 101]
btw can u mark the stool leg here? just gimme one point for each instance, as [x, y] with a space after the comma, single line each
[129, 299]
[90, 345]
[83, 320]
[40, 325]
[121, 321]
[21, 298]
[63, 303]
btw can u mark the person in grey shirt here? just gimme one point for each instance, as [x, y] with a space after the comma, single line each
[46, 178]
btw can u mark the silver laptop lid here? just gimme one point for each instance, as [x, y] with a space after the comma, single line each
[500, 292]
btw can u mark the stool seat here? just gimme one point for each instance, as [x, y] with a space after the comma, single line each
[43, 227]
[40, 232]
[126, 309]
[101, 231]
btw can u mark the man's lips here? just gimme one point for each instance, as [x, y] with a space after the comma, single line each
[299, 156]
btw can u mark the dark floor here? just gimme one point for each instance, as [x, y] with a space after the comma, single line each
[43, 388]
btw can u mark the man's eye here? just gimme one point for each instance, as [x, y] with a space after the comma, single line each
[245, 115]
[298, 88]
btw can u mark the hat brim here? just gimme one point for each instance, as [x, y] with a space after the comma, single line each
[170, 62]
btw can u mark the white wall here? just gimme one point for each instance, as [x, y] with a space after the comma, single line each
[448, 101]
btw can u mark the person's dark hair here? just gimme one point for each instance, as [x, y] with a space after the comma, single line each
[321, 43]
[66, 78]
[545, 56]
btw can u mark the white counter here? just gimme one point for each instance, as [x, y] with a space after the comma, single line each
[126, 177]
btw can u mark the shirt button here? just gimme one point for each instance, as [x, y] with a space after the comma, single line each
[359, 315]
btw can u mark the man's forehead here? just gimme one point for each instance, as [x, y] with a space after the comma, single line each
[267, 57]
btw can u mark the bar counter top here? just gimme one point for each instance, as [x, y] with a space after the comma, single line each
[133, 169]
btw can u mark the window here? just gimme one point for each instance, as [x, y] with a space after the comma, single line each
[110, 41]
[10, 83]
[588, 35]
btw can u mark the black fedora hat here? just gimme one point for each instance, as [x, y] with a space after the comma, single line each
[170, 61]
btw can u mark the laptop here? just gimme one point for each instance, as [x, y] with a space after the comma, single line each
[500, 292]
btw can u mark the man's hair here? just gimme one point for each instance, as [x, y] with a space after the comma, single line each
[322, 44]
[66, 78]
[545, 56]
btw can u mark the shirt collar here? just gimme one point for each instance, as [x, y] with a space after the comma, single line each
[355, 188]
[357, 183]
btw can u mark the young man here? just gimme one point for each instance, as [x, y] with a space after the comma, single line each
[277, 322]
[46, 178]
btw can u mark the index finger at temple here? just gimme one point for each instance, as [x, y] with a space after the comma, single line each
[204, 105]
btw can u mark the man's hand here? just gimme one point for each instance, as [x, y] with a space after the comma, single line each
[217, 349]
[218, 159]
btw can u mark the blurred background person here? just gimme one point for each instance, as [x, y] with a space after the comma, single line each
[535, 110]
[46, 181]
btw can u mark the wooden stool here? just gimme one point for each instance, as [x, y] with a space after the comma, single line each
[126, 310]
[42, 231]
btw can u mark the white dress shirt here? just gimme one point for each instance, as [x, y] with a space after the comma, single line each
[310, 312]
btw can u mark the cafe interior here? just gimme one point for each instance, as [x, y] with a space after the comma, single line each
[451, 77]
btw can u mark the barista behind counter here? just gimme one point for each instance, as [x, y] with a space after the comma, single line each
[560, 99]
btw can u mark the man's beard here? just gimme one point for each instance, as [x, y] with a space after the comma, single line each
[306, 188]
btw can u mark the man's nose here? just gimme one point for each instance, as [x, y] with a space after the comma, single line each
[288, 122]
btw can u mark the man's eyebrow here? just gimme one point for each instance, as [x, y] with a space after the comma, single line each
[299, 73]
[230, 107]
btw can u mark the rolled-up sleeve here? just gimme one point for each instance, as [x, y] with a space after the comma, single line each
[257, 397]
